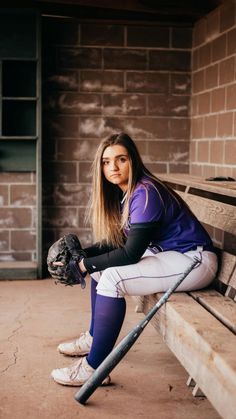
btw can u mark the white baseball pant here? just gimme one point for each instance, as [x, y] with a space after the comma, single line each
[156, 272]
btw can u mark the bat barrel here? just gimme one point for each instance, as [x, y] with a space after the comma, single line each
[108, 365]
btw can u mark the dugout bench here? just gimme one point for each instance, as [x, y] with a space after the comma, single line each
[199, 327]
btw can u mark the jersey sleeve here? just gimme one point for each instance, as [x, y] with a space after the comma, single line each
[146, 205]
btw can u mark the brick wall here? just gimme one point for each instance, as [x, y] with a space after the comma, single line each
[100, 78]
[213, 127]
[103, 78]
[17, 217]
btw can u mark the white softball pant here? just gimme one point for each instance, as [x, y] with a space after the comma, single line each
[156, 273]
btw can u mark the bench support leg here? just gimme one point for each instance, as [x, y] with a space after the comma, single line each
[190, 382]
[197, 392]
[230, 292]
[140, 303]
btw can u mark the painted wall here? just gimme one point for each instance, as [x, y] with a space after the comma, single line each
[213, 125]
[100, 79]
[17, 217]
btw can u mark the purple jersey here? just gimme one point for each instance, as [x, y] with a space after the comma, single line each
[174, 226]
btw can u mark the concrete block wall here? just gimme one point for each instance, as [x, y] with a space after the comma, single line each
[100, 78]
[17, 217]
[213, 124]
[103, 78]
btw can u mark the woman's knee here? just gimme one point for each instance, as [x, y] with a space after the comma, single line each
[96, 276]
[110, 284]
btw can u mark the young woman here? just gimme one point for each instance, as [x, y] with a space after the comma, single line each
[146, 238]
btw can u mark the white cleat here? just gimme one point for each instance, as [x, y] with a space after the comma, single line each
[76, 375]
[78, 347]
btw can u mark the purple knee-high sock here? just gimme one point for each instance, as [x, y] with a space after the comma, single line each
[108, 319]
[93, 295]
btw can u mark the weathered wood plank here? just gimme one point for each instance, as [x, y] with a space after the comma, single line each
[204, 347]
[228, 264]
[214, 213]
[223, 308]
[139, 303]
[223, 188]
[232, 281]
[18, 270]
[190, 382]
[197, 392]
[18, 264]
[200, 327]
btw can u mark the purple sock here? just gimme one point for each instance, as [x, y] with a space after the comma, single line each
[93, 295]
[108, 319]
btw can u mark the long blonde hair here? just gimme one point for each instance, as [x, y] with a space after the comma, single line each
[104, 212]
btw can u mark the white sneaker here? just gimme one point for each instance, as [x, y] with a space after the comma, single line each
[78, 347]
[76, 375]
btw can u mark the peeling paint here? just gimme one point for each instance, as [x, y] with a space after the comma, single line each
[178, 156]
[85, 238]
[7, 258]
[146, 159]
[3, 244]
[111, 88]
[112, 110]
[91, 85]
[95, 128]
[84, 150]
[56, 126]
[68, 221]
[97, 85]
[180, 109]
[181, 87]
[7, 222]
[79, 105]
[71, 195]
[26, 199]
[212, 35]
[65, 80]
[134, 130]
[128, 105]
[137, 85]
[64, 218]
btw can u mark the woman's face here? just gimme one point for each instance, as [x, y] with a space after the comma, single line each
[116, 165]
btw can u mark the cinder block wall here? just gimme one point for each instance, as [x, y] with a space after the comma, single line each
[17, 217]
[99, 79]
[213, 125]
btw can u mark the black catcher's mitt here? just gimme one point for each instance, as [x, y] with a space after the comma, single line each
[68, 251]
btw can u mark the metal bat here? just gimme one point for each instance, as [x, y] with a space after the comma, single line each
[126, 343]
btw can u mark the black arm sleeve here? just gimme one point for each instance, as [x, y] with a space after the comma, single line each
[97, 249]
[139, 237]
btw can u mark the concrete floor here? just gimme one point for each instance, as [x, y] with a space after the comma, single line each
[35, 316]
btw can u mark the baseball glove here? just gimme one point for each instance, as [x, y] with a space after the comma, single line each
[68, 251]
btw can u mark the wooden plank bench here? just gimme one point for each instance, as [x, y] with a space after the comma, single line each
[18, 270]
[199, 327]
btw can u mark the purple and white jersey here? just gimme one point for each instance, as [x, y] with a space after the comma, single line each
[174, 226]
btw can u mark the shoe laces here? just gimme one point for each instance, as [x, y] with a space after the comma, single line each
[79, 367]
[82, 339]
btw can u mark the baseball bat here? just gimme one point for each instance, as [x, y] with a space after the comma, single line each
[126, 343]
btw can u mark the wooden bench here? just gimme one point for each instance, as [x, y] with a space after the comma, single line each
[199, 327]
[18, 270]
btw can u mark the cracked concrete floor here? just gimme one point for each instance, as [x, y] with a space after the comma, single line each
[35, 316]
